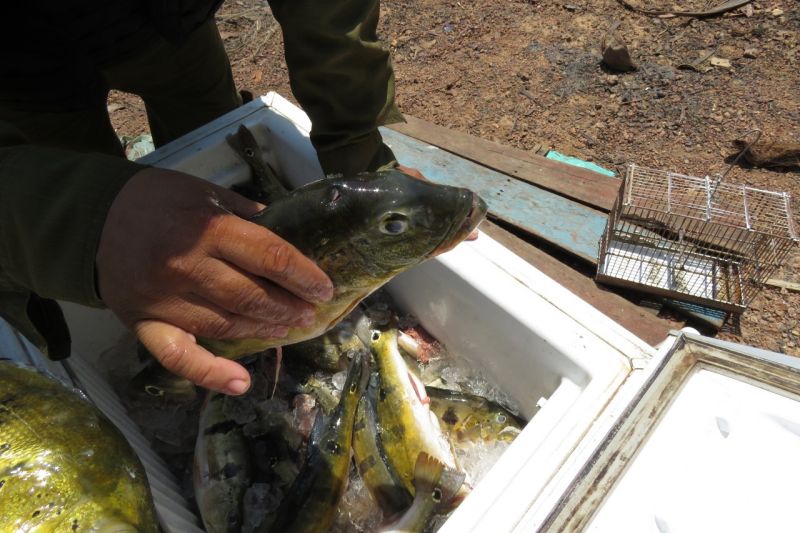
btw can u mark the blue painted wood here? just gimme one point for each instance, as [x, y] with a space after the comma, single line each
[566, 224]
[569, 225]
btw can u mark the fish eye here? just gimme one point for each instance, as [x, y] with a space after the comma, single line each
[501, 418]
[154, 391]
[394, 224]
[437, 495]
[333, 195]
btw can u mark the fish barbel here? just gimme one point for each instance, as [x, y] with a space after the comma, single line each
[361, 231]
[63, 465]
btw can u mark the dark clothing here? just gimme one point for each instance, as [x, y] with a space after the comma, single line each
[53, 202]
[52, 53]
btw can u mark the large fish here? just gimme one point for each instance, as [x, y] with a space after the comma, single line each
[469, 418]
[362, 231]
[408, 427]
[63, 465]
[310, 504]
[222, 469]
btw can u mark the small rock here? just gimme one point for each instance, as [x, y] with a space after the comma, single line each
[615, 53]
[720, 62]
[570, 7]
[777, 12]
[751, 53]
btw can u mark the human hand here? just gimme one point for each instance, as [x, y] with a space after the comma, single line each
[414, 173]
[175, 260]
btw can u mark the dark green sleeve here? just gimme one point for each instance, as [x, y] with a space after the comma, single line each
[342, 77]
[53, 205]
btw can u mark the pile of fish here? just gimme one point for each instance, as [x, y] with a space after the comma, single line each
[63, 465]
[369, 448]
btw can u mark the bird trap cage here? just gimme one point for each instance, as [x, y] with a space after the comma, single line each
[695, 239]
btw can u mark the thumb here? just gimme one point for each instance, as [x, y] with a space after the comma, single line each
[179, 352]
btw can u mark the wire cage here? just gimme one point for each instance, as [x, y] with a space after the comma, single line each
[695, 239]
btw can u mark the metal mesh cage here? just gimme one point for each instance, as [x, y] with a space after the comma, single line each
[694, 238]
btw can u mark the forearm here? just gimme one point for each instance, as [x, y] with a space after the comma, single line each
[342, 77]
[53, 205]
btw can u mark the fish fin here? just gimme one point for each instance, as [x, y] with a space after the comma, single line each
[427, 472]
[450, 484]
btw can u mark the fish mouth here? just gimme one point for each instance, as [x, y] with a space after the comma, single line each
[475, 214]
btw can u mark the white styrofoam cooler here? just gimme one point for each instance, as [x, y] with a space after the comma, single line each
[577, 375]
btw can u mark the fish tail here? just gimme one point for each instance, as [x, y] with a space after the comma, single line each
[427, 473]
[451, 483]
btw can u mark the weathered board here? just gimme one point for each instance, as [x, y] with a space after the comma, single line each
[588, 187]
[568, 225]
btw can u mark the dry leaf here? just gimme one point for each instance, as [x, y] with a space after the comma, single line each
[257, 75]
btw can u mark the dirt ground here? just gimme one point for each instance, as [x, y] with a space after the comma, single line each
[528, 72]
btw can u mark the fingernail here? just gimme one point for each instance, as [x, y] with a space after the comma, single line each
[324, 293]
[237, 387]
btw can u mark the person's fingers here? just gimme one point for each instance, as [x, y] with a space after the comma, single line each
[198, 316]
[243, 294]
[179, 352]
[266, 255]
[413, 172]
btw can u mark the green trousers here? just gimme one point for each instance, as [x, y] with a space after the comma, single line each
[183, 87]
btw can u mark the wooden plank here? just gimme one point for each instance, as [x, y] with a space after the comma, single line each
[635, 319]
[781, 284]
[588, 187]
[568, 225]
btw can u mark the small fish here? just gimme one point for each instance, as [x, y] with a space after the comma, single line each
[310, 504]
[329, 351]
[470, 418]
[63, 465]
[266, 186]
[435, 488]
[156, 388]
[408, 427]
[361, 231]
[222, 469]
[381, 480]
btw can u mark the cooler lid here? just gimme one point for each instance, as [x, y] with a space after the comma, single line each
[710, 441]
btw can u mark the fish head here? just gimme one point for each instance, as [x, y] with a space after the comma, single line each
[501, 425]
[362, 230]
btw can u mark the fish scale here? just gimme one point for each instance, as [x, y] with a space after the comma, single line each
[63, 464]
